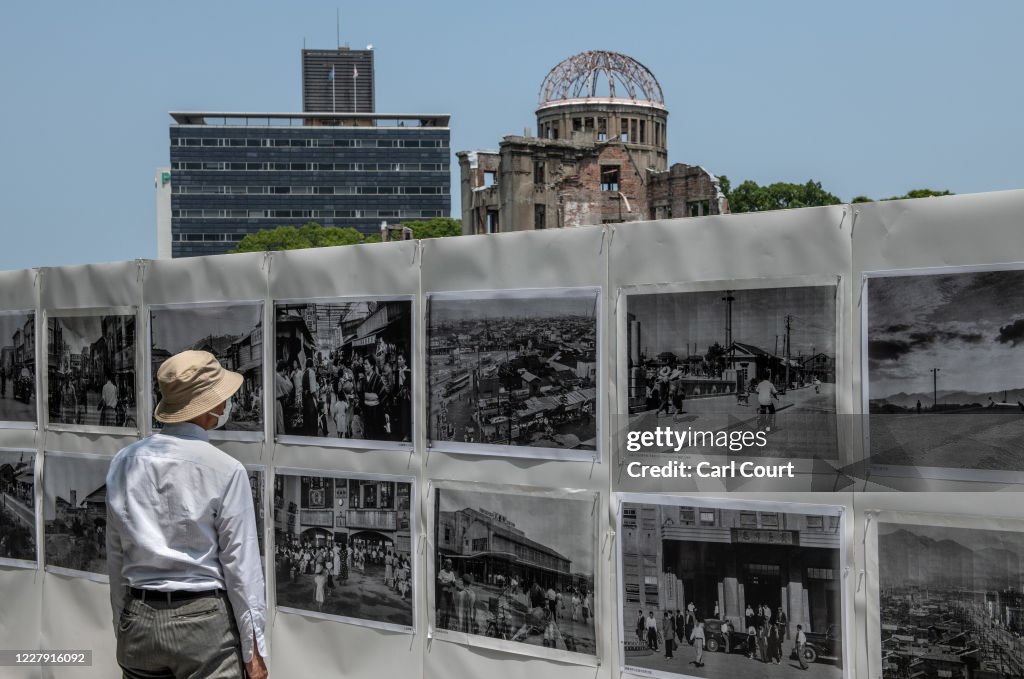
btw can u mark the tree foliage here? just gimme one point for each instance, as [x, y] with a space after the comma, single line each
[752, 197]
[913, 193]
[313, 235]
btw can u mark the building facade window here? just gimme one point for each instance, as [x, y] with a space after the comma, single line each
[609, 177]
[539, 216]
[538, 172]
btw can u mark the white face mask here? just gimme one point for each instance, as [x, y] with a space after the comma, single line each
[222, 419]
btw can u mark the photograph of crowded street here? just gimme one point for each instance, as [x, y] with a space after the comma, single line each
[731, 590]
[343, 548]
[75, 512]
[951, 602]
[91, 370]
[514, 368]
[17, 367]
[516, 567]
[757, 360]
[231, 332]
[343, 370]
[943, 371]
[17, 505]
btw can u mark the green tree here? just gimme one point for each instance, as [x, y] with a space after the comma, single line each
[310, 235]
[439, 227]
[752, 197]
[913, 193]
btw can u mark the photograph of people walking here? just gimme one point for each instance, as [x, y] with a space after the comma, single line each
[343, 547]
[344, 371]
[18, 506]
[944, 381]
[516, 567]
[91, 370]
[759, 360]
[17, 367]
[959, 587]
[231, 332]
[75, 512]
[716, 589]
[514, 368]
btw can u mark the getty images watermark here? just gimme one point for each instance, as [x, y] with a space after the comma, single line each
[662, 438]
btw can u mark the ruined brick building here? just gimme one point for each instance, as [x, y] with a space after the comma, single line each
[600, 156]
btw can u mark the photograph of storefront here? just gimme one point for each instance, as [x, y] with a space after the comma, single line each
[343, 547]
[343, 369]
[17, 366]
[91, 370]
[713, 358]
[17, 505]
[516, 567]
[752, 566]
[233, 333]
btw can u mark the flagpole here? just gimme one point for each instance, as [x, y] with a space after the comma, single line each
[355, 94]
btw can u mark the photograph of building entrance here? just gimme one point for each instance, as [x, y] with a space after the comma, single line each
[516, 568]
[18, 506]
[513, 368]
[757, 360]
[731, 589]
[343, 547]
[943, 377]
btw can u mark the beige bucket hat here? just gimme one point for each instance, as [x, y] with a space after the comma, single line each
[192, 383]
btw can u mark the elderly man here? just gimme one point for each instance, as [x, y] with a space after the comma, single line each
[186, 583]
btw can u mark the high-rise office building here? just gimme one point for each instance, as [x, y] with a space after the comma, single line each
[238, 173]
[339, 80]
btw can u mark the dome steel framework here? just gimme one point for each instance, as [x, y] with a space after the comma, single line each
[580, 77]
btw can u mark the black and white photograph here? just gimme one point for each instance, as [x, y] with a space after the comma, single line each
[516, 567]
[91, 370]
[944, 376]
[730, 589]
[514, 368]
[343, 370]
[950, 601]
[17, 367]
[257, 483]
[17, 507]
[344, 547]
[75, 512]
[742, 360]
[233, 333]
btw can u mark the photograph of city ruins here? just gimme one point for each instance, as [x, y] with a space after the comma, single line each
[944, 375]
[231, 332]
[951, 602]
[514, 368]
[17, 505]
[18, 367]
[75, 512]
[700, 360]
[516, 567]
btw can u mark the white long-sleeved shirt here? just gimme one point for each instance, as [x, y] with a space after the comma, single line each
[180, 518]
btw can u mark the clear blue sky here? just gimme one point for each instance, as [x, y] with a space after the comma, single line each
[869, 98]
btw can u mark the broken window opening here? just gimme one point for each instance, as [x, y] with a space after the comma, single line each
[699, 208]
[490, 178]
[610, 178]
[492, 221]
[624, 130]
[538, 172]
[540, 216]
[577, 124]
[643, 131]
[602, 129]
[632, 130]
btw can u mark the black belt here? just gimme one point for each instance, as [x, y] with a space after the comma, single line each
[172, 597]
